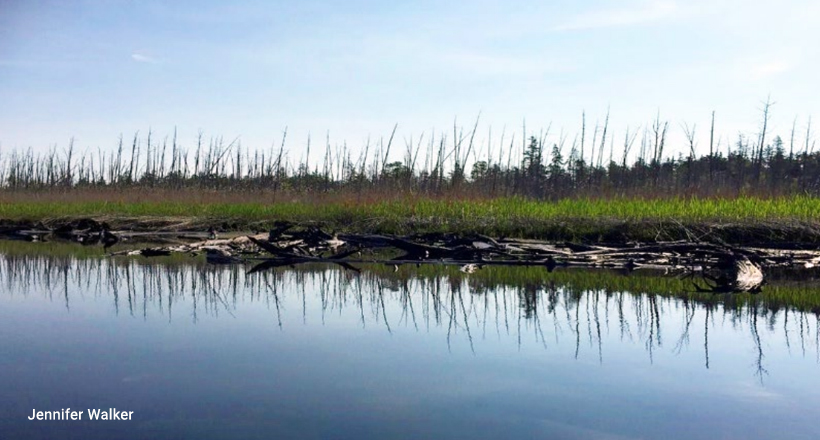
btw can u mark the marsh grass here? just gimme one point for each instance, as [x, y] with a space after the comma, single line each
[513, 216]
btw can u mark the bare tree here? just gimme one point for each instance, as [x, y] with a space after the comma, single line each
[762, 140]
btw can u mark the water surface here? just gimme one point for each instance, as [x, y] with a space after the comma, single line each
[199, 351]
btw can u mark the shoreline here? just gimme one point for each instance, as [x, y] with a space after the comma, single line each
[784, 232]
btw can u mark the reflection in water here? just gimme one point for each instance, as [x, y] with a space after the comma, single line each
[199, 351]
[539, 309]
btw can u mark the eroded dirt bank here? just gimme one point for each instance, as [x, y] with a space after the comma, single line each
[782, 234]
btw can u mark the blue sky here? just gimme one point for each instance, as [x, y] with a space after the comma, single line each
[95, 69]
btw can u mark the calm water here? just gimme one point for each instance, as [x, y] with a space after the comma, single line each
[207, 352]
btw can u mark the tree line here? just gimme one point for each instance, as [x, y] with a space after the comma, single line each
[591, 165]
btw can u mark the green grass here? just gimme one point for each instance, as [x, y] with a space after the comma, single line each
[739, 209]
[505, 216]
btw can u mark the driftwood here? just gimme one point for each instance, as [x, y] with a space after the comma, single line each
[85, 232]
[227, 248]
[722, 268]
[736, 275]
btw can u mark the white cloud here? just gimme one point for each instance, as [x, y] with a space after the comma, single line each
[769, 69]
[142, 58]
[645, 13]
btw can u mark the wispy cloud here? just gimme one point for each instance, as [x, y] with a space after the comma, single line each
[644, 13]
[480, 64]
[769, 69]
[750, 391]
[143, 58]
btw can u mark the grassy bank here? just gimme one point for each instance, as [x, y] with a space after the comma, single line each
[569, 218]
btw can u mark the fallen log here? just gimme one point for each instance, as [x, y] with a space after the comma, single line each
[733, 274]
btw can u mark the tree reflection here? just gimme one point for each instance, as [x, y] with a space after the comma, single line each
[466, 309]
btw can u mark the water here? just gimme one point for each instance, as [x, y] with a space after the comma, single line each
[200, 351]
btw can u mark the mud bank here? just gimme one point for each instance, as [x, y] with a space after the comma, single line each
[783, 234]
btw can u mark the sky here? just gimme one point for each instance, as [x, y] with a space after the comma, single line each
[350, 70]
